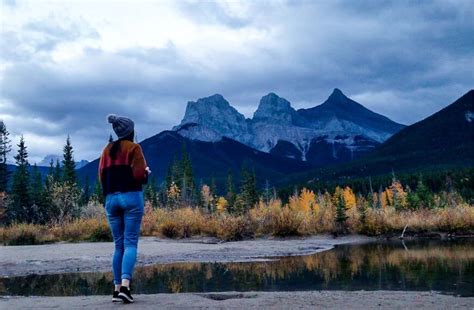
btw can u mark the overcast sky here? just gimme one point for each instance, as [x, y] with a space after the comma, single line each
[64, 65]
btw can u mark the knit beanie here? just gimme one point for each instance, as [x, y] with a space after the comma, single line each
[122, 126]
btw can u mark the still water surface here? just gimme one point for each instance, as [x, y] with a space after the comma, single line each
[443, 266]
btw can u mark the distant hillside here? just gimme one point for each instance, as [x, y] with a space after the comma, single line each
[209, 159]
[46, 161]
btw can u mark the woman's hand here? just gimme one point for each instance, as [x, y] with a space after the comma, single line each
[148, 171]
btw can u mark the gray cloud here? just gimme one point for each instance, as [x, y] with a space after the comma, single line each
[42, 36]
[212, 12]
[403, 59]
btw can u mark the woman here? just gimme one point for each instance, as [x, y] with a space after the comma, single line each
[122, 172]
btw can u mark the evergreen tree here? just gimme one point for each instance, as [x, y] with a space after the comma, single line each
[341, 209]
[371, 192]
[230, 196]
[86, 191]
[213, 185]
[412, 199]
[49, 177]
[150, 192]
[379, 198]
[69, 166]
[174, 173]
[363, 208]
[36, 185]
[18, 210]
[424, 194]
[188, 185]
[39, 209]
[5, 148]
[51, 167]
[267, 195]
[98, 194]
[248, 189]
[58, 172]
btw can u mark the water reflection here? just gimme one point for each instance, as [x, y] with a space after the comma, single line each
[446, 266]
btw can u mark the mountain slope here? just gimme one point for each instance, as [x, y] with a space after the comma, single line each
[445, 137]
[341, 108]
[442, 140]
[209, 159]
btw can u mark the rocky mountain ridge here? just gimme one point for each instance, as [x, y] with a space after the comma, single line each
[338, 130]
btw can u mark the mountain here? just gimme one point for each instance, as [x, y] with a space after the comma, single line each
[209, 119]
[446, 137]
[441, 141]
[45, 162]
[351, 116]
[336, 131]
[209, 159]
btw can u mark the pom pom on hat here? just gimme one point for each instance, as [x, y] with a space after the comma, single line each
[111, 118]
[123, 126]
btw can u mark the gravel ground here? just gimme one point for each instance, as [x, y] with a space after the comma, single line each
[253, 300]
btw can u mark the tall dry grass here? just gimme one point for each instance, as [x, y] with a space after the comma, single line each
[305, 214]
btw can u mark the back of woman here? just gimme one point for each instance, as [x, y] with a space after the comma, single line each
[122, 172]
[122, 167]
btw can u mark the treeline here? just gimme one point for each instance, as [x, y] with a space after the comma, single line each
[181, 189]
[460, 180]
[59, 197]
[30, 198]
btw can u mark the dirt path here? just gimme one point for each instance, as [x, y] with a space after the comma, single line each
[253, 300]
[88, 257]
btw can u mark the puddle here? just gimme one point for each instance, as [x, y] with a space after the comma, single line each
[442, 266]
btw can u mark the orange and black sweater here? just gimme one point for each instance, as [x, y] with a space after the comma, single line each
[124, 173]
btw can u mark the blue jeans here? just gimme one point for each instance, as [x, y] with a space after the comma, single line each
[124, 213]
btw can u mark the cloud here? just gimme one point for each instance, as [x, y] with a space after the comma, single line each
[231, 14]
[40, 37]
[392, 56]
[10, 3]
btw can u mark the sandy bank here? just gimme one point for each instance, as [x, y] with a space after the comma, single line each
[254, 300]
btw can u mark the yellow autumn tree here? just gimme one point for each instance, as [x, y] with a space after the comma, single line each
[338, 194]
[294, 202]
[398, 195]
[207, 198]
[221, 204]
[386, 199]
[307, 200]
[173, 194]
[349, 198]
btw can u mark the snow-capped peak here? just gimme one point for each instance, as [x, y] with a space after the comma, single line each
[211, 118]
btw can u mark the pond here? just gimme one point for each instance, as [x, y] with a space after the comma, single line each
[442, 266]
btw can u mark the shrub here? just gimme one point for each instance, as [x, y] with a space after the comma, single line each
[65, 198]
[286, 222]
[93, 210]
[171, 229]
[151, 220]
[100, 232]
[21, 234]
[231, 228]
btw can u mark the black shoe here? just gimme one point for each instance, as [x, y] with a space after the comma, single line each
[125, 295]
[115, 297]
